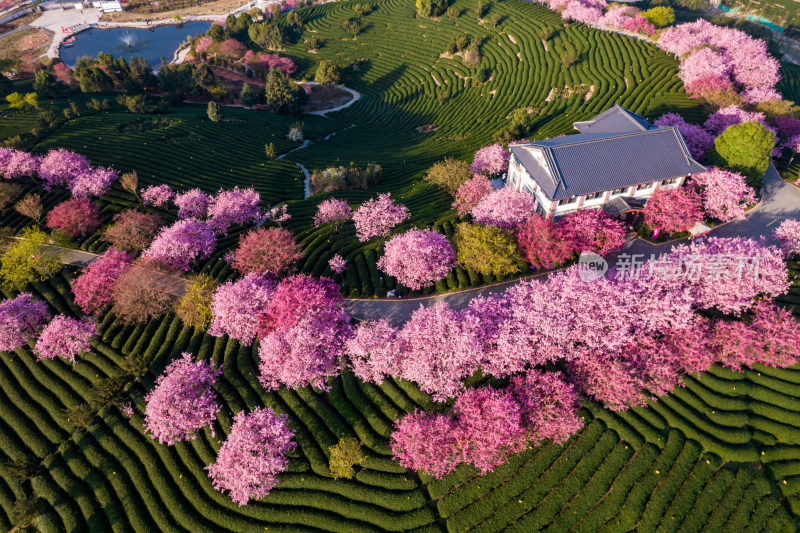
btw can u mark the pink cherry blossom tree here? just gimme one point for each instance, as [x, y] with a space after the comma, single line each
[333, 211]
[770, 339]
[593, 230]
[60, 166]
[470, 193]
[250, 459]
[505, 208]
[183, 401]
[549, 406]
[788, 233]
[304, 354]
[490, 427]
[725, 194]
[373, 351]
[75, 218]
[427, 442]
[377, 216]
[192, 203]
[237, 305]
[639, 24]
[721, 119]
[271, 251]
[298, 297]
[184, 242]
[492, 159]
[16, 163]
[673, 210]
[337, 263]
[93, 182]
[234, 206]
[65, 337]
[94, 288]
[418, 257]
[278, 214]
[440, 347]
[20, 317]
[157, 195]
[543, 243]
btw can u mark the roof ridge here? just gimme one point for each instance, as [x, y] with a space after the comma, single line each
[608, 136]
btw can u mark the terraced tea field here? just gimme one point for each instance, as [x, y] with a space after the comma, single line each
[718, 455]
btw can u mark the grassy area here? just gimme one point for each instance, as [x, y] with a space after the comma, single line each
[719, 455]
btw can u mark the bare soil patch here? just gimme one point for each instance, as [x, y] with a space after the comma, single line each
[322, 97]
[427, 127]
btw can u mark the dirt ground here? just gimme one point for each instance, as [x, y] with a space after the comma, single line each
[220, 7]
[324, 97]
[16, 23]
[26, 45]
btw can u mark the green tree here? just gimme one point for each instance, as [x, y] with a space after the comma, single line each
[269, 150]
[281, 95]
[29, 259]
[327, 72]
[45, 84]
[214, 112]
[353, 27]
[92, 79]
[248, 96]
[343, 456]
[203, 77]
[745, 148]
[22, 101]
[487, 250]
[294, 20]
[449, 174]
[660, 16]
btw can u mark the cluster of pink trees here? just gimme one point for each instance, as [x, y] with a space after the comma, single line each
[788, 233]
[65, 337]
[58, 168]
[724, 194]
[337, 263]
[253, 455]
[492, 159]
[726, 54]
[17, 163]
[546, 244]
[378, 216]
[333, 211]
[184, 242]
[183, 400]
[698, 140]
[94, 288]
[505, 208]
[418, 257]
[586, 11]
[488, 425]
[263, 62]
[20, 318]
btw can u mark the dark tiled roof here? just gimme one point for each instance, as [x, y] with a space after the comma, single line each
[622, 204]
[586, 163]
[614, 120]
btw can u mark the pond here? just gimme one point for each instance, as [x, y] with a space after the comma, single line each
[149, 43]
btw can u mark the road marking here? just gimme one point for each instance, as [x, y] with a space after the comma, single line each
[771, 223]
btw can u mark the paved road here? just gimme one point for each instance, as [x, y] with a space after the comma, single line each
[780, 201]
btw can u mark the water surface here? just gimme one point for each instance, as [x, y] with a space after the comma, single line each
[149, 43]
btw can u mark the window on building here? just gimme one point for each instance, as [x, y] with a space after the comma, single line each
[567, 201]
[595, 196]
[528, 189]
[673, 181]
[617, 192]
[513, 177]
[644, 186]
[514, 160]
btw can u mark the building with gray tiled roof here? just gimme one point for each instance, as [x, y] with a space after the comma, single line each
[618, 154]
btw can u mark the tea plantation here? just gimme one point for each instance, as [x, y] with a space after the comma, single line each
[721, 454]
